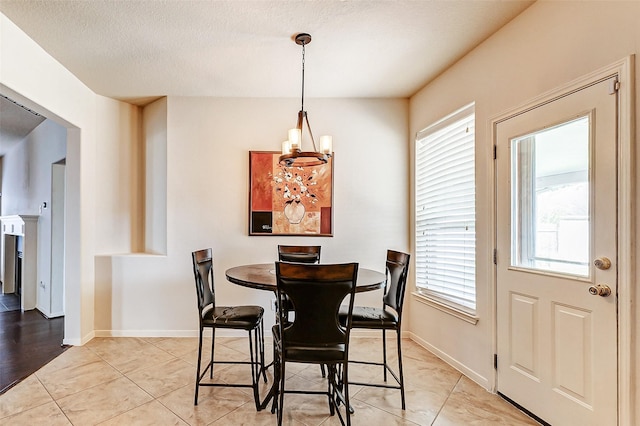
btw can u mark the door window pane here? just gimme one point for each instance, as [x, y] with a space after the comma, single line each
[550, 199]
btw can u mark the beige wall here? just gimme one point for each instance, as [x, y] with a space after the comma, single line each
[550, 44]
[208, 141]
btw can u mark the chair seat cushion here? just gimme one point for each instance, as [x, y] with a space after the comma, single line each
[245, 317]
[370, 317]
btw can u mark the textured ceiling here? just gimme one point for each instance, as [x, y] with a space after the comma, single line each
[133, 50]
[139, 50]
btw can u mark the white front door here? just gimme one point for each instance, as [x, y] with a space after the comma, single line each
[556, 257]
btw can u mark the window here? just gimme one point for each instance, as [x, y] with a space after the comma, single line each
[550, 199]
[445, 210]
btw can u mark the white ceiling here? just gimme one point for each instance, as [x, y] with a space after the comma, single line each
[139, 50]
[16, 122]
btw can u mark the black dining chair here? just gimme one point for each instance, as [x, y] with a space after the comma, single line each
[315, 336]
[299, 254]
[245, 317]
[389, 317]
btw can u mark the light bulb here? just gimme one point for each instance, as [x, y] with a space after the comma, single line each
[286, 148]
[326, 143]
[295, 137]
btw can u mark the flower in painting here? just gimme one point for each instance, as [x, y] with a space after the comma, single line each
[295, 184]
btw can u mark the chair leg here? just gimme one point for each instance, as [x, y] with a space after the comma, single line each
[401, 374]
[322, 371]
[276, 379]
[281, 393]
[384, 352]
[339, 390]
[213, 343]
[332, 388]
[195, 402]
[343, 386]
[345, 392]
[255, 364]
[263, 369]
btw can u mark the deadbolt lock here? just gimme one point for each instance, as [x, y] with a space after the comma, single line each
[602, 263]
[600, 290]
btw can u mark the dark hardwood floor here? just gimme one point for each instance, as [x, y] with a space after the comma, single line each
[28, 341]
[9, 302]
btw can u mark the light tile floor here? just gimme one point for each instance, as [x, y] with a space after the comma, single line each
[150, 381]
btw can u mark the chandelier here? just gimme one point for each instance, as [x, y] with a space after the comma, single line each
[292, 153]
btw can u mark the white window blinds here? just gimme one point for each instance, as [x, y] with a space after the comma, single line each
[445, 209]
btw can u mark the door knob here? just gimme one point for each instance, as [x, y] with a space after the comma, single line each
[600, 290]
[602, 263]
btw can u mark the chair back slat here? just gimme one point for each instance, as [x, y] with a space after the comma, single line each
[203, 274]
[397, 269]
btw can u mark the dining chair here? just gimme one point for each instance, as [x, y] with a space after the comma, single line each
[315, 336]
[299, 254]
[244, 317]
[389, 317]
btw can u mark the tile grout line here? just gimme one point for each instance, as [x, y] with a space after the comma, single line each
[122, 374]
[52, 398]
[97, 384]
[154, 399]
[447, 399]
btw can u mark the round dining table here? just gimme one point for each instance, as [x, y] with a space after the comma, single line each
[262, 276]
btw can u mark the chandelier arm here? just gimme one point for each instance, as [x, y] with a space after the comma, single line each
[306, 118]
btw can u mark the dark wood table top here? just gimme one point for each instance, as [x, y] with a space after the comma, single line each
[262, 276]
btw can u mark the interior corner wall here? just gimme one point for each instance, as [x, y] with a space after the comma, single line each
[118, 165]
[548, 45]
[155, 176]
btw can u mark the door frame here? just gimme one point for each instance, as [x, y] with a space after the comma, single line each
[57, 254]
[624, 69]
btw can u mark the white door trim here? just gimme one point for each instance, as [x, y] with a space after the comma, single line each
[625, 70]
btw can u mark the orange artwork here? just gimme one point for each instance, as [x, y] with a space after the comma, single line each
[289, 200]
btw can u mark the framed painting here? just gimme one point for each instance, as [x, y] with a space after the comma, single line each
[289, 200]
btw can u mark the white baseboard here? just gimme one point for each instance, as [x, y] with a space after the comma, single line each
[79, 342]
[49, 315]
[473, 375]
[168, 333]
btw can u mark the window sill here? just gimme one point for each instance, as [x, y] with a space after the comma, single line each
[447, 307]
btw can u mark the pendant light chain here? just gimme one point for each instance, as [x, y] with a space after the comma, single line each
[304, 118]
